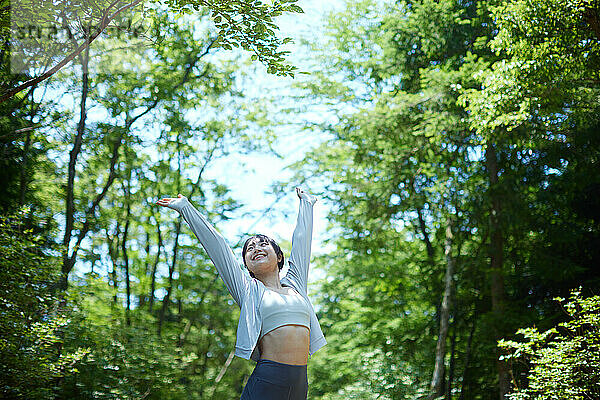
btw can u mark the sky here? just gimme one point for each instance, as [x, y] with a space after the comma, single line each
[254, 174]
[251, 176]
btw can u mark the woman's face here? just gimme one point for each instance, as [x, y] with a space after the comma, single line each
[260, 257]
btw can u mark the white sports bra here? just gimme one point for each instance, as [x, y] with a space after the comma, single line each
[277, 309]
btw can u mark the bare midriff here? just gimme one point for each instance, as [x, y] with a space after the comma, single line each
[287, 344]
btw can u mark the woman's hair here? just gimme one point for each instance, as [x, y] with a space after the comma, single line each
[262, 239]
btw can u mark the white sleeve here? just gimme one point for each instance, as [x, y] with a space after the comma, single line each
[301, 242]
[236, 279]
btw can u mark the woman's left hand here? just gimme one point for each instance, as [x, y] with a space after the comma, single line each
[175, 203]
[304, 195]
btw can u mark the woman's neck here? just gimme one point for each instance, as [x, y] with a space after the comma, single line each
[271, 281]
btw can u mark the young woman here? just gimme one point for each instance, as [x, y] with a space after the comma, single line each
[278, 327]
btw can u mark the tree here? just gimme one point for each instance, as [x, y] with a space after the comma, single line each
[540, 91]
[437, 129]
[148, 306]
[161, 84]
[185, 331]
[31, 322]
[406, 153]
[29, 28]
[561, 362]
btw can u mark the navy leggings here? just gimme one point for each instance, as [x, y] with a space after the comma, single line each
[271, 380]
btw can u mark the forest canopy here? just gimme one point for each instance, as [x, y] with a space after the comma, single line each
[454, 146]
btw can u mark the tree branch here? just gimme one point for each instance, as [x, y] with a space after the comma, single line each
[106, 19]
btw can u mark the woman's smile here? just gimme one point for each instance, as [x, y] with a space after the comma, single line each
[258, 256]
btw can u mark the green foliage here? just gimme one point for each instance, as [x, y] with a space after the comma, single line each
[26, 172]
[400, 168]
[420, 89]
[549, 68]
[561, 362]
[367, 355]
[39, 36]
[132, 361]
[250, 25]
[540, 98]
[147, 305]
[31, 321]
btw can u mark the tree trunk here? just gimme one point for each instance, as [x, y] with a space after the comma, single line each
[68, 262]
[467, 356]
[142, 298]
[428, 245]
[452, 367]
[496, 252]
[126, 262]
[160, 246]
[70, 255]
[23, 178]
[437, 381]
[154, 267]
[115, 284]
[167, 298]
[113, 252]
[222, 373]
[69, 259]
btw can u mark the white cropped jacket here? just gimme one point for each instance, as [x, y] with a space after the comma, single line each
[247, 291]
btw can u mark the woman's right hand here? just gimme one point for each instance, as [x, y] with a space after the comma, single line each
[302, 194]
[175, 203]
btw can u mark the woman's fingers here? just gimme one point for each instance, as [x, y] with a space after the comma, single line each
[302, 194]
[164, 201]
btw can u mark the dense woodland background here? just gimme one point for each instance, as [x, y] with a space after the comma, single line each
[460, 167]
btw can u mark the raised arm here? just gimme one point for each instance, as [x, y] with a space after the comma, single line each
[236, 280]
[301, 240]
